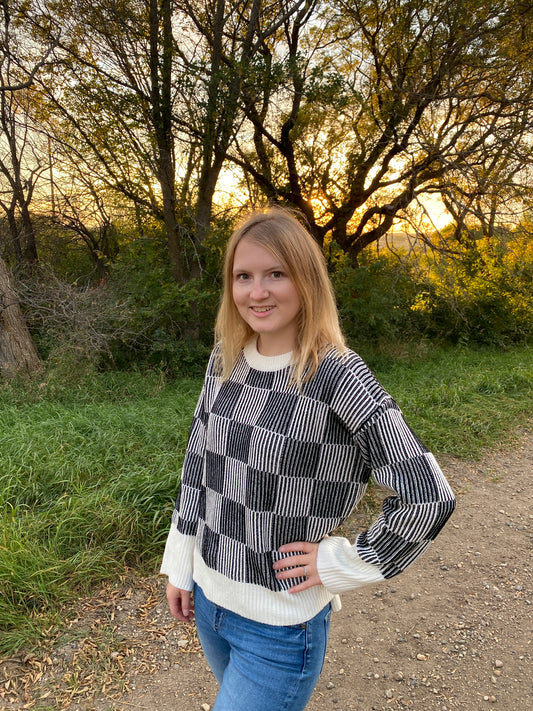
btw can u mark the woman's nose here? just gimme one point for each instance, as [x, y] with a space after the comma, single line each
[258, 290]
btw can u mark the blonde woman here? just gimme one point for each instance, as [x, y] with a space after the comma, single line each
[289, 427]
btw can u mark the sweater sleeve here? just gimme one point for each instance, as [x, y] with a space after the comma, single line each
[177, 561]
[185, 516]
[420, 504]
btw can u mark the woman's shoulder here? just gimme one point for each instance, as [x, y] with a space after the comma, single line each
[343, 363]
[345, 372]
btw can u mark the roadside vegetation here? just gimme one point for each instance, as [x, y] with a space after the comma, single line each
[91, 446]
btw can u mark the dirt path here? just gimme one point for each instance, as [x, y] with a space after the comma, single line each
[452, 632]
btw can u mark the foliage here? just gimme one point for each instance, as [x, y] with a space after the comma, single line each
[173, 323]
[137, 315]
[140, 316]
[67, 253]
[479, 294]
[482, 295]
[385, 101]
[374, 299]
[88, 478]
[349, 111]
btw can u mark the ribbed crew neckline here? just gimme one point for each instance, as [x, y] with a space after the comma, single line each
[265, 363]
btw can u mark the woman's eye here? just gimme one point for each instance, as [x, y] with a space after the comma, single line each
[277, 275]
[242, 277]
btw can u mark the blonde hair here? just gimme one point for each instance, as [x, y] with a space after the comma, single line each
[318, 328]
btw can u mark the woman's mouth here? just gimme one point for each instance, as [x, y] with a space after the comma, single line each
[261, 309]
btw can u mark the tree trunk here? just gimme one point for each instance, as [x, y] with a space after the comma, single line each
[18, 355]
[30, 245]
[161, 51]
[14, 232]
[219, 126]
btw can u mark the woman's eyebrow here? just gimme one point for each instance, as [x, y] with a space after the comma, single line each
[274, 268]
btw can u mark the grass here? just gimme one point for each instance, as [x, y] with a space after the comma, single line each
[461, 401]
[87, 480]
[89, 466]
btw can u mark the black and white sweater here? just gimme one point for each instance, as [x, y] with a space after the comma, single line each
[269, 464]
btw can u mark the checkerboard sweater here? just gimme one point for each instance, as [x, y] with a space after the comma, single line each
[268, 464]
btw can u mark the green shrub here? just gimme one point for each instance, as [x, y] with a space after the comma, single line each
[482, 296]
[374, 299]
[172, 323]
[139, 316]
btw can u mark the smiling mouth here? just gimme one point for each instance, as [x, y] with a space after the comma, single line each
[261, 309]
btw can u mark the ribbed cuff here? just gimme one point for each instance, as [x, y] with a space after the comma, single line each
[177, 561]
[341, 569]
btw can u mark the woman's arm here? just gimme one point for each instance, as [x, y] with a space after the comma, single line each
[421, 502]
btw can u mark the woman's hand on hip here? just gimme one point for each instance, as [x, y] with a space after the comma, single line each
[302, 564]
[180, 603]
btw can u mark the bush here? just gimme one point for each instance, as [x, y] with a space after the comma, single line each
[173, 323]
[138, 317]
[73, 325]
[374, 299]
[483, 296]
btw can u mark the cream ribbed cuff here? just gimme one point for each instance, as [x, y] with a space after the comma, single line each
[178, 559]
[341, 569]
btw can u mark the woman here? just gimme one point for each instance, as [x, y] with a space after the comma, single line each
[288, 429]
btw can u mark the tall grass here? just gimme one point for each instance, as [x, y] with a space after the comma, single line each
[89, 467]
[87, 480]
[460, 401]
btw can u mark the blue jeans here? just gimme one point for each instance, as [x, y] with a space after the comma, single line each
[260, 667]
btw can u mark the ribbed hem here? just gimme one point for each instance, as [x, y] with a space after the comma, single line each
[265, 363]
[259, 604]
[340, 567]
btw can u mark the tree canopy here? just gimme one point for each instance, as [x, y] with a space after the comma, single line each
[351, 112]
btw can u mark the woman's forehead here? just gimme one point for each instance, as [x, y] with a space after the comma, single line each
[252, 251]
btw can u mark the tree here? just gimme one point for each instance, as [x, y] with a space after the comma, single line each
[233, 35]
[18, 70]
[145, 101]
[350, 111]
[111, 106]
[368, 105]
[161, 57]
[18, 355]
[20, 167]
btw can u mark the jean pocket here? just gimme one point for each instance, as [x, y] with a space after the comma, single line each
[300, 626]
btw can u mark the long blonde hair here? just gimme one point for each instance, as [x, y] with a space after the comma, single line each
[318, 328]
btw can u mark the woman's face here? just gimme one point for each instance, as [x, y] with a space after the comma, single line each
[265, 297]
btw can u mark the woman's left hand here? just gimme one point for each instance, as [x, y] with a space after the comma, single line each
[301, 565]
